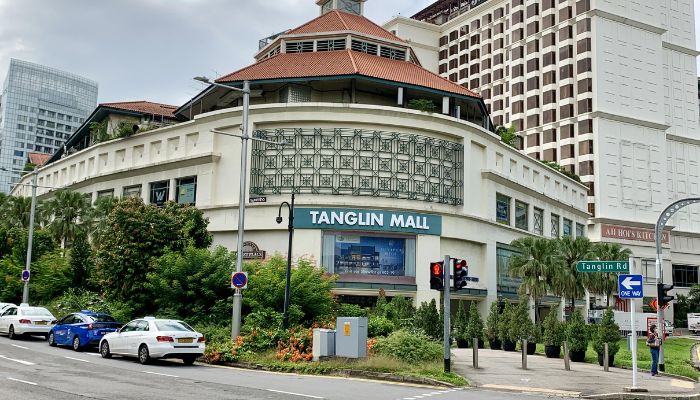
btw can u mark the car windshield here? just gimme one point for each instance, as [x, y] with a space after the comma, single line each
[102, 318]
[173, 326]
[35, 312]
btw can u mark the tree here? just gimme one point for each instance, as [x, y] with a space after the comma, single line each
[428, 320]
[535, 265]
[66, 208]
[607, 332]
[192, 224]
[98, 131]
[508, 136]
[569, 282]
[475, 325]
[94, 219]
[424, 105]
[16, 212]
[81, 261]
[606, 283]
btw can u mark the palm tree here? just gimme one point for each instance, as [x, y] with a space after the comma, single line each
[571, 283]
[606, 283]
[15, 212]
[534, 265]
[66, 209]
[95, 215]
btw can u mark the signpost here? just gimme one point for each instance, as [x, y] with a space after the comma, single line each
[239, 280]
[603, 266]
[632, 287]
[25, 275]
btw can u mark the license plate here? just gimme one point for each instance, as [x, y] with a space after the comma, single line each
[185, 340]
[41, 322]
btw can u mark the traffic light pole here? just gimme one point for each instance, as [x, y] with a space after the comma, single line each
[446, 316]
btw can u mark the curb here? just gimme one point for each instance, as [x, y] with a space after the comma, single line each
[695, 355]
[642, 396]
[351, 373]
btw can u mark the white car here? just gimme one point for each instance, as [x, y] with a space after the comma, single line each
[25, 320]
[4, 306]
[150, 338]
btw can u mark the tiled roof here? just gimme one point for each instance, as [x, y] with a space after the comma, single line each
[146, 107]
[344, 62]
[38, 159]
[335, 20]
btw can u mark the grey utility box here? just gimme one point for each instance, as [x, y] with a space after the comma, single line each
[323, 343]
[351, 337]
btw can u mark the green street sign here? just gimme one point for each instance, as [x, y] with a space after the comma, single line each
[603, 266]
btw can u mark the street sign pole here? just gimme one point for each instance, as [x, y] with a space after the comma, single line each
[632, 287]
[446, 316]
[633, 345]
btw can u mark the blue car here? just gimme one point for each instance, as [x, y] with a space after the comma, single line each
[82, 329]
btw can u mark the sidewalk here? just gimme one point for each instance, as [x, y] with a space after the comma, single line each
[502, 370]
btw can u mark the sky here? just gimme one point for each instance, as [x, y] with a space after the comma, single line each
[151, 49]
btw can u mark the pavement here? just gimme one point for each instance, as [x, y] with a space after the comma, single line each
[31, 370]
[500, 370]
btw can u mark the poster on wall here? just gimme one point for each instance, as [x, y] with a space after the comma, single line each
[369, 255]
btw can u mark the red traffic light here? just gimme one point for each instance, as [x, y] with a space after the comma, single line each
[436, 269]
[437, 279]
[459, 273]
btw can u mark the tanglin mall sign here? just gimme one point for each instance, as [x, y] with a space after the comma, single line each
[367, 220]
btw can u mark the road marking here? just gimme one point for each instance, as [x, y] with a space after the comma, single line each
[523, 389]
[158, 373]
[76, 359]
[20, 347]
[18, 361]
[294, 394]
[19, 380]
[93, 354]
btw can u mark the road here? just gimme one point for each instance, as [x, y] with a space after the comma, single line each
[30, 369]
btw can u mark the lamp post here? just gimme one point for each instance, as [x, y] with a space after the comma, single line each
[30, 239]
[290, 227]
[238, 296]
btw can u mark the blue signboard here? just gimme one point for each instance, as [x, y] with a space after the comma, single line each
[25, 275]
[630, 286]
[367, 220]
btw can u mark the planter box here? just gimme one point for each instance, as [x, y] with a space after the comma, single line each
[611, 359]
[552, 351]
[577, 356]
[531, 347]
[508, 345]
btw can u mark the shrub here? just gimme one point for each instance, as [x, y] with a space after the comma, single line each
[492, 323]
[505, 330]
[350, 310]
[411, 347]
[608, 332]
[553, 330]
[461, 321]
[298, 347]
[521, 325]
[475, 326]
[424, 105]
[576, 335]
[77, 299]
[379, 325]
[427, 319]
[400, 311]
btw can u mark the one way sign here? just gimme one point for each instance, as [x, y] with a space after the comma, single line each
[630, 286]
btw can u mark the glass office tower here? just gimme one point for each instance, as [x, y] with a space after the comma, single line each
[40, 107]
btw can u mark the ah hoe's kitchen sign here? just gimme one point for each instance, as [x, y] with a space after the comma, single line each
[629, 233]
[367, 220]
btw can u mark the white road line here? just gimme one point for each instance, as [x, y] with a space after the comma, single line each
[76, 359]
[18, 346]
[19, 380]
[93, 354]
[158, 373]
[17, 361]
[294, 394]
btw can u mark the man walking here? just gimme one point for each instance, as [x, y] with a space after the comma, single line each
[654, 343]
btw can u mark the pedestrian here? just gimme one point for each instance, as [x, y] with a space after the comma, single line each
[654, 343]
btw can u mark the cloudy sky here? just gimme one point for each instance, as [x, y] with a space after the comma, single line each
[150, 49]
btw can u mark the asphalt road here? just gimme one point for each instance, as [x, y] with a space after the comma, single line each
[30, 369]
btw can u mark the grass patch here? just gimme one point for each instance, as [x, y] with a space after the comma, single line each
[676, 356]
[378, 363]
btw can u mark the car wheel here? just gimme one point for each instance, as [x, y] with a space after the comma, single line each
[52, 340]
[11, 333]
[104, 350]
[76, 343]
[189, 360]
[144, 357]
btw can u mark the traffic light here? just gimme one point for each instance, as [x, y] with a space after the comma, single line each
[437, 277]
[459, 273]
[664, 297]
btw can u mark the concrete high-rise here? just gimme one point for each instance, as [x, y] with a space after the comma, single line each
[40, 107]
[605, 88]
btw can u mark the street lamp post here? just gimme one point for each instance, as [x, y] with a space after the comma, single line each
[238, 296]
[30, 239]
[290, 227]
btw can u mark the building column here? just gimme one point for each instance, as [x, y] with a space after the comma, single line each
[490, 280]
[172, 189]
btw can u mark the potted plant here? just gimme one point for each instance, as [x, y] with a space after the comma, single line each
[524, 328]
[553, 335]
[577, 337]
[608, 332]
[475, 327]
[460, 327]
[492, 327]
[506, 331]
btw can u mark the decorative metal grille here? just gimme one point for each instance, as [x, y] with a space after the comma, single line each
[359, 163]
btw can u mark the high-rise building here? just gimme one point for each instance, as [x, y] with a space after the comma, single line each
[40, 108]
[605, 88]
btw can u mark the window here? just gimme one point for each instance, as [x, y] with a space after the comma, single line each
[538, 219]
[506, 283]
[105, 193]
[585, 105]
[580, 230]
[585, 168]
[366, 254]
[567, 151]
[160, 192]
[549, 136]
[19, 153]
[567, 227]
[330, 45]
[502, 209]
[585, 126]
[649, 270]
[685, 275]
[186, 190]
[521, 215]
[132, 191]
[364, 47]
[583, 65]
[555, 226]
[583, 25]
[585, 85]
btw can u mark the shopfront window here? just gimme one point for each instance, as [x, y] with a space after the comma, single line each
[159, 192]
[506, 283]
[685, 275]
[186, 190]
[503, 209]
[521, 215]
[366, 254]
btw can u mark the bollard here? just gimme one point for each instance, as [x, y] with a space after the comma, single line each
[475, 353]
[524, 352]
[606, 359]
[567, 362]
